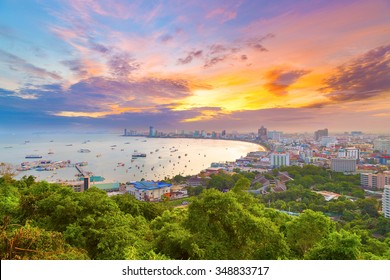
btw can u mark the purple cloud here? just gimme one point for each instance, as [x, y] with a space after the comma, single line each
[257, 43]
[364, 77]
[190, 56]
[18, 64]
[121, 65]
[75, 66]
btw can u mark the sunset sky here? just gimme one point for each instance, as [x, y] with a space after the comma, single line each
[213, 65]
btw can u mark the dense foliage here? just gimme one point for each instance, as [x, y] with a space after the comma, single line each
[39, 220]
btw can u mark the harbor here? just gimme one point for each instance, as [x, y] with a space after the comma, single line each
[130, 159]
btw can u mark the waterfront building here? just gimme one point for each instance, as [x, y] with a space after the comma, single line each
[386, 201]
[343, 165]
[152, 131]
[320, 133]
[149, 190]
[280, 159]
[378, 180]
[382, 145]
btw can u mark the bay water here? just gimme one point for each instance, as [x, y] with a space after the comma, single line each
[110, 155]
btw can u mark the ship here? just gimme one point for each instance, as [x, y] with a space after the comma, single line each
[33, 156]
[84, 151]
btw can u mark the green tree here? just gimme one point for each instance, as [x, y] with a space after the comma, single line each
[9, 203]
[242, 184]
[306, 230]
[224, 229]
[341, 245]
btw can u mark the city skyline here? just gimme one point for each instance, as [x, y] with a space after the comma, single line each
[234, 65]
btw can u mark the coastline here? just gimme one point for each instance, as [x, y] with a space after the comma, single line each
[103, 160]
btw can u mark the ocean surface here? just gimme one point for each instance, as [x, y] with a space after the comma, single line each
[111, 155]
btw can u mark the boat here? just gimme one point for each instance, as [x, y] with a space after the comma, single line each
[84, 151]
[69, 145]
[8, 147]
[33, 156]
[137, 155]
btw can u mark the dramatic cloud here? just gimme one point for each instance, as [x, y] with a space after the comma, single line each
[280, 80]
[170, 62]
[364, 77]
[18, 64]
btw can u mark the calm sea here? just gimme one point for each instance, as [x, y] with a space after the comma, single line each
[111, 155]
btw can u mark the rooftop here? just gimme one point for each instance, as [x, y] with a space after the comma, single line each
[150, 185]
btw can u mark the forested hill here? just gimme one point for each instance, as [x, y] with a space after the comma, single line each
[49, 221]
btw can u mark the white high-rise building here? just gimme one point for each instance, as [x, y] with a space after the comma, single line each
[280, 159]
[386, 201]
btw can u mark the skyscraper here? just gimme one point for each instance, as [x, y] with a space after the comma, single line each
[152, 132]
[320, 133]
[262, 133]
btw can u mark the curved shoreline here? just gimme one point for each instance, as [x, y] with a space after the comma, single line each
[199, 138]
[200, 155]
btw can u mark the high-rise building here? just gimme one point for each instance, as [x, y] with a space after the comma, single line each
[349, 153]
[343, 165]
[280, 159]
[262, 133]
[386, 201]
[223, 133]
[377, 181]
[152, 131]
[320, 133]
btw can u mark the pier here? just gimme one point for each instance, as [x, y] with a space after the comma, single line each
[81, 171]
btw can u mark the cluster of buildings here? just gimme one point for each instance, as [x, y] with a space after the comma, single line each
[152, 132]
[350, 153]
